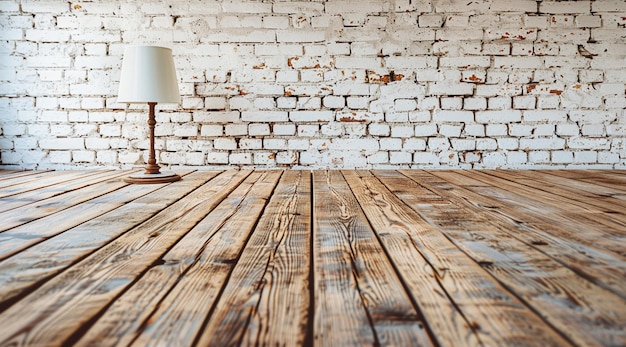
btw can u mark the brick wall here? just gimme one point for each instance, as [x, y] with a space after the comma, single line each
[320, 84]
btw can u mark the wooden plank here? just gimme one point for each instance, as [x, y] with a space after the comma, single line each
[358, 297]
[266, 300]
[535, 229]
[202, 263]
[10, 174]
[120, 323]
[586, 208]
[591, 316]
[554, 207]
[33, 196]
[22, 177]
[494, 315]
[573, 191]
[609, 179]
[55, 313]
[45, 207]
[19, 185]
[26, 270]
[19, 238]
[126, 317]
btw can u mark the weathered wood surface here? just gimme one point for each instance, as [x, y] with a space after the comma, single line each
[323, 258]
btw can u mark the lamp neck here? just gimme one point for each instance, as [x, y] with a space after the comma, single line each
[152, 167]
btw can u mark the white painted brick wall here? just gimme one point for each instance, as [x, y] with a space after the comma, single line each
[320, 84]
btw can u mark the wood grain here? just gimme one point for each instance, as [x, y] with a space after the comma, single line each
[204, 260]
[29, 234]
[54, 312]
[26, 270]
[355, 284]
[535, 229]
[266, 299]
[71, 197]
[524, 270]
[9, 187]
[294, 258]
[494, 315]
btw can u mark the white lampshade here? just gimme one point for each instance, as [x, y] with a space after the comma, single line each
[148, 75]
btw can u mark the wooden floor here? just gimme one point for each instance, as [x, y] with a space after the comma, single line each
[322, 258]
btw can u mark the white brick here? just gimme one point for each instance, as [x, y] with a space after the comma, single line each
[311, 116]
[225, 143]
[425, 158]
[381, 157]
[258, 129]
[298, 144]
[592, 116]
[62, 143]
[608, 6]
[309, 103]
[503, 116]
[272, 143]
[552, 116]
[84, 156]
[463, 144]
[287, 158]
[486, 144]
[425, 130]
[97, 143]
[494, 159]
[247, 143]
[332, 129]
[358, 62]
[565, 7]
[111, 130]
[542, 143]
[240, 158]
[284, 129]
[400, 157]
[300, 36]
[420, 116]
[495, 130]
[264, 158]
[588, 143]
[236, 129]
[453, 116]
[390, 144]
[60, 157]
[585, 157]
[438, 144]
[333, 101]
[264, 116]
[562, 157]
[402, 131]
[355, 102]
[449, 130]
[608, 158]
[211, 130]
[215, 103]
[217, 158]
[544, 130]
[414, 144]
[286, 102]
[45, 7]
[308, 130]
[450, 88]
[593, 130]
[378, 129]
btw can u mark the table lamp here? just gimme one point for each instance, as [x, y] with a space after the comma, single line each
[149, 76]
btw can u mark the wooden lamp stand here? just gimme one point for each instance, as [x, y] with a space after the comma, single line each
[153, 173]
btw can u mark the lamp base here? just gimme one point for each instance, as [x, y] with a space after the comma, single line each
[144, 178]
